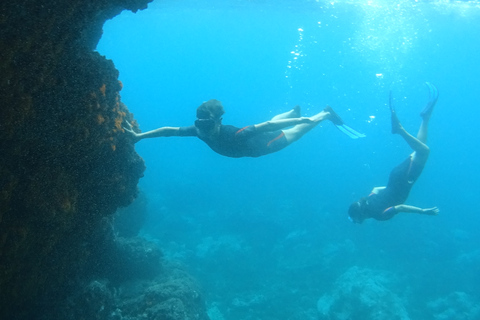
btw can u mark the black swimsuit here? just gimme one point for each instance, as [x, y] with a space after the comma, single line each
[242, 142]
[402, 177]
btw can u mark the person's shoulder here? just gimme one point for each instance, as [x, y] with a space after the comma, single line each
[227, 128]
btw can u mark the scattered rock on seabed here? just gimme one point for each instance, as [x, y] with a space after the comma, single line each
[362, 294]
[457, 305]
[365, 294]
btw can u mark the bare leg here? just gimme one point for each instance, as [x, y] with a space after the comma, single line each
[422, 134]
[420, 149]
[418, 144]
[427, 113]
[294, 113]
[295, 133]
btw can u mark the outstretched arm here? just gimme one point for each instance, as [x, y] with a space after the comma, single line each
[274, 125]
[405, 208]
[160, 132]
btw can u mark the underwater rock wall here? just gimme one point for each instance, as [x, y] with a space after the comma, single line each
[65, 163]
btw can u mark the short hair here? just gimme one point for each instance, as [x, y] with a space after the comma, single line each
[211, 109]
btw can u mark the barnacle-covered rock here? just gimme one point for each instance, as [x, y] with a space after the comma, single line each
[65, 162]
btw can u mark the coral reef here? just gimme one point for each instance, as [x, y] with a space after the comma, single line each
[362, 294]
[141, 285]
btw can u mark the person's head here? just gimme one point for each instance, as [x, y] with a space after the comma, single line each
[356, 212]
[211, 109]
[209, 115]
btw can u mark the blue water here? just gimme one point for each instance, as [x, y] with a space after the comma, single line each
[268, 237]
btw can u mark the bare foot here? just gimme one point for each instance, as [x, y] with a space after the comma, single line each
[333, 116]
[296, 112]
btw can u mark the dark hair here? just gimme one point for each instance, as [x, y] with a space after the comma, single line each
[211, 109]
[357, 210]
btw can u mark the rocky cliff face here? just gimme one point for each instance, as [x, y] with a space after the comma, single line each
[65, 162]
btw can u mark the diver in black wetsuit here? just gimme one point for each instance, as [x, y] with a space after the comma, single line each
[251, 141]
[385, 202]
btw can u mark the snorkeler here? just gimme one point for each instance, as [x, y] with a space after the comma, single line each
[250, 141]
[385, 202]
